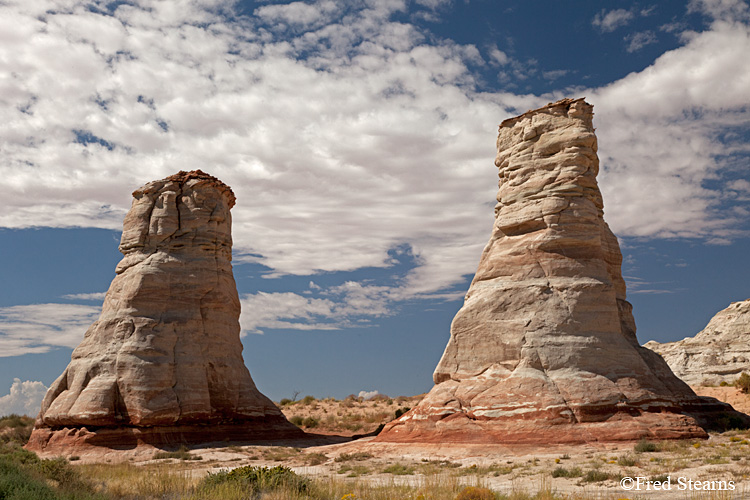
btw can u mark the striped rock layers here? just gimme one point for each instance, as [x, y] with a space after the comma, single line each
[163, 363]
[544, 348]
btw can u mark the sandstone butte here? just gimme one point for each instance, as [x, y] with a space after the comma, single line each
[163, 363]
[544, 349]
[718, 353]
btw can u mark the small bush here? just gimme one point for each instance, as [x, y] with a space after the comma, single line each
[475, 493]
[316, 458]
[401, 411]
[723, 383]
[259, 478]
[644, 446]
[399, 470]
[296, 420]
[310, 422]
[23, 476]
[563, 472]
[595, 476]
[743, 383]
[285, 402]
[626, 461]
[728, 422]
[353, 470]
[308, 400]
[358, 456]
[59, 470]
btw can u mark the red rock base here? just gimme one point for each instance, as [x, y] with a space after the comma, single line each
[417, 427]
[73, 441]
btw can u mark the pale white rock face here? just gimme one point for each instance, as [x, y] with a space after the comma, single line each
[718, 353]
[166, 350]
[544, 348]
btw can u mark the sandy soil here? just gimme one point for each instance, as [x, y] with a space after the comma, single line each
[731, 395]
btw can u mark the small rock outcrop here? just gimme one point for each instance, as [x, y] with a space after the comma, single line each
[163, 363]
[719, 353]
[544, 348]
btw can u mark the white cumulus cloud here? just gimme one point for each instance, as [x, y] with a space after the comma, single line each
[367, 395]
[25, 398]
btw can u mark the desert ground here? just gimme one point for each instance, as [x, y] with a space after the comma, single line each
[341, 461]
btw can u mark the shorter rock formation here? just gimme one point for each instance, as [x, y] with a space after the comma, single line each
[718, 353]
[163, 363]
[544, 349]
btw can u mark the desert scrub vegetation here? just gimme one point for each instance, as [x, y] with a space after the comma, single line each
[743, 383]
[644, 446]
[24, 476]
[356, 456]
[399, 469]
[567, 472]
[15, 428]
[257, 479]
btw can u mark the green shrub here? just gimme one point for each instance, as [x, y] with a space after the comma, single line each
[563, 472]
[475, 493]
[307, 400]
[595, 476]
[15, 428]
[60, 470]
[358, 456]
[727, 422]
[296, 420]
[626, 461]
[644, 446]
[14, 421]
[743, 383]
[316, 458]
[310, 422]
[259, 478]
[23, 476]
[401, 411]
[399, 470]
[285, 402]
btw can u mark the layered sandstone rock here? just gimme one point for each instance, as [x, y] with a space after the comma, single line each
[163, 363]
[544, 348]
[718, 353]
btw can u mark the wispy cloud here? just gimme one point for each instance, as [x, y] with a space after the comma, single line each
[96, 296]
[609, 20]
[38, 328]
[636, 41]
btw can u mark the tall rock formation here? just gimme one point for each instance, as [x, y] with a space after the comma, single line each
[544, 348]
[163, 363]
[718, 353]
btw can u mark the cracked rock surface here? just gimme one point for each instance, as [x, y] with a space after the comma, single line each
[544, 348]
[164, 362]
[718, 353]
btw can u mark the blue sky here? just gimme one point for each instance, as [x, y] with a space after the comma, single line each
[359, 139]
